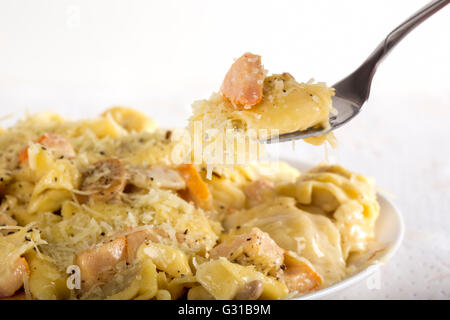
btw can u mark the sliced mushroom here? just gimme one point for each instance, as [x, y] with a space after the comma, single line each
[104, 180]
[251, 291]
[243, 83]
[155, 177]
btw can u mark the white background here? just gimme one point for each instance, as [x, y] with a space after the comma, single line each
[80, 57]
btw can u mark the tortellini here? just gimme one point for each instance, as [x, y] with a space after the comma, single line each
[267, 231]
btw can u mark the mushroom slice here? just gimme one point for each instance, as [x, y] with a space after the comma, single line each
[105, 180]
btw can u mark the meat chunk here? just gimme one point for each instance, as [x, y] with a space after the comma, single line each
[254, 248]
[155, 177]
[55, 143]
[243, 83]
[96, 264]
[135, 239]
[11, 279]
[299, 275]
[105, 180]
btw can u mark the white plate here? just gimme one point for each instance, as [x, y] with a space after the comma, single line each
[389, 230]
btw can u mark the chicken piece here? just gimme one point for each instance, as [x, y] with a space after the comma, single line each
[258, 191]
[6, 220]
[155, 177]
[57, 144]
[299, 275]
[254, 248]
[197, 189]
[12, 280]
[104, 180]
[135, 239]
[97, 263]
[243, 83]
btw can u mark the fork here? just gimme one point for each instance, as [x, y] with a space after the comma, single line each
[353, 91]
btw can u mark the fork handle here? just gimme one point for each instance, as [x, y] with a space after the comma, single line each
[364, 74]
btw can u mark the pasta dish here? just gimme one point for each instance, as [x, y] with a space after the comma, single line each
[113, 207]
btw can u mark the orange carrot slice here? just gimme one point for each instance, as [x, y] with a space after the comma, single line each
[197, 188]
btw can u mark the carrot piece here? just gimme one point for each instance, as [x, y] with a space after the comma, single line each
[23, 156]
[197, 188]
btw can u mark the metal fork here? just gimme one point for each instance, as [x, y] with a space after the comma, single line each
[353, 91]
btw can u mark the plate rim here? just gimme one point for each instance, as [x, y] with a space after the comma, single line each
[371, 269]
